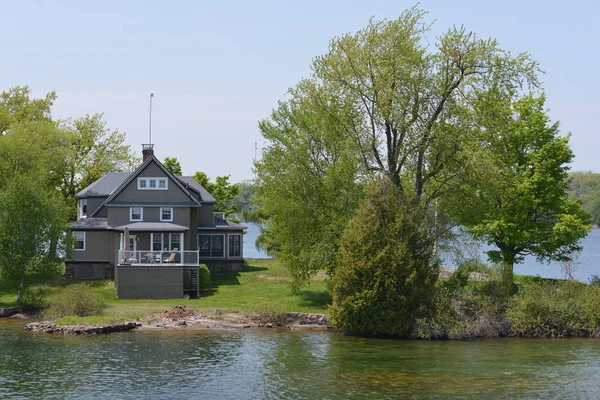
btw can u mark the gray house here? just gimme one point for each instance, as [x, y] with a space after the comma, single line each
[149, 230]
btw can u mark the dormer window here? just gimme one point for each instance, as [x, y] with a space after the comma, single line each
[136, 214]
[153, 183]
[82, 209]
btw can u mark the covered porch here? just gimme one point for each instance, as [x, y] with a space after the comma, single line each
[155, 244]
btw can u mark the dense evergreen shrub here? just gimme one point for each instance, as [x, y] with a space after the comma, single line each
[386, 274]
[76, 299]
[204, 277]
[567, 308]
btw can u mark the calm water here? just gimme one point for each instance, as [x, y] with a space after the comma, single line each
[290, 365]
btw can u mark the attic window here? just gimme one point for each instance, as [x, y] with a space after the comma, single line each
[153, 184]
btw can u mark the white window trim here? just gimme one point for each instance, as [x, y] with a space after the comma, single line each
[229, 247]
[161, 213]
[84, 241]
[162, 241]
[147, 179]
[131, 214]
[225, 243]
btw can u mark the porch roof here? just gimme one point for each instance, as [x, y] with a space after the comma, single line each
[153, 227]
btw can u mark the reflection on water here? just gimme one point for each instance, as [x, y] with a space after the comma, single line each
[290, 365]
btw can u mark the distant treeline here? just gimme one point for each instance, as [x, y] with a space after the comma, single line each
[585, 187]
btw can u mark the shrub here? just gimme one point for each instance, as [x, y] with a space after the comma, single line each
[204, 277]
[386, 273]
[34, 298]
[462, 274]
[595, 280]
[76, 299]
[567, 308]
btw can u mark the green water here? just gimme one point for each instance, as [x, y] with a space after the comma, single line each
[290, 365]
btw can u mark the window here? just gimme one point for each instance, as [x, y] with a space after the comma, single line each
[79, 244]
[153, 183]
[136, 214]
[175, 241]
[235, 247]
[166, 214]
[211, 245]
[82, 209]
[157, 241]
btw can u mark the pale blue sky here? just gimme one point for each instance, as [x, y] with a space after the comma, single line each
[218, 67]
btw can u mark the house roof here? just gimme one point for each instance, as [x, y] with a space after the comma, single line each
[105, 185]
[90, 223]
[204, 195]
[153, 226]
[220, 223]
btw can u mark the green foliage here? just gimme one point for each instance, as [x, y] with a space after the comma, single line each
[245, 200]
[173, 166]
[460, 277]
[221, 190]
[78, 299]
[521, 206]
[34, 298]
[595, 280]
[385, 276]
[568, 308]
[17, 107]
[585, 187]
[32, 232]
[204, 277]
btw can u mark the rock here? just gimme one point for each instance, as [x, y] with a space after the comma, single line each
[181, 322]
[48, 327]
[8, 312]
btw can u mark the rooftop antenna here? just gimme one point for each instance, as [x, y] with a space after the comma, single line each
[150, 121]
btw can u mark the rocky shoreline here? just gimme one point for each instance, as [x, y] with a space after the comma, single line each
[181, 317]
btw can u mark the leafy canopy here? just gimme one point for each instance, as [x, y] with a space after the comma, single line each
[173, 166]
[221, 190]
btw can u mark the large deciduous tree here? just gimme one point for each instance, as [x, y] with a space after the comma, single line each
[33, 222]
[521, 205]
[173, 166]
[221, 189]
[397, 107]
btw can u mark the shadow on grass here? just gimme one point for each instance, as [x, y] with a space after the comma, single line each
[311, 298]
[252, 268]
[225, 278]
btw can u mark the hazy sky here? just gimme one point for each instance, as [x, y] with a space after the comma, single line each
[218, 67]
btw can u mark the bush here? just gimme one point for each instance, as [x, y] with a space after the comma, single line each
[386, 270]
[34, 298]
[77, 299]
[204, 277]
[567, 308]
[595, 280]
[462, 274]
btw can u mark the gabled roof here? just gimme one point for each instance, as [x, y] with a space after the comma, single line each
[205, 197]
[134, 175]
[105, 185]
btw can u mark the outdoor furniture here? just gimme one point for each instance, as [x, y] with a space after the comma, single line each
[171, 258]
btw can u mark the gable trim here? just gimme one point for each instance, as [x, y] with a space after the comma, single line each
[134, 176]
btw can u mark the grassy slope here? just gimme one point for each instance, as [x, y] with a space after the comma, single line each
[262, 287]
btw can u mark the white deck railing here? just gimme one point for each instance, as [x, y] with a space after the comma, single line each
[165, 257]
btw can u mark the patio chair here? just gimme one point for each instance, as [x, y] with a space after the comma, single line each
[170, 258]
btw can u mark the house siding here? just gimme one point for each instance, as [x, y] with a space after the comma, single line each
[131, 192]
[205, 214]
[97, 247]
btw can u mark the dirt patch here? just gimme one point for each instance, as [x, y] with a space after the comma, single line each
[272, 278]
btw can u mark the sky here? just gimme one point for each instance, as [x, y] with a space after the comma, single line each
[216, 68]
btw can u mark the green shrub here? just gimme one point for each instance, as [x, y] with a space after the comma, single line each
[595, 280]
[460, 277]
[204, 277]
[567, 308]
[386, 270]
[34, 298]
[78, 299]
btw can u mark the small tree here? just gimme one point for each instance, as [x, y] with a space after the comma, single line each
[173, 165]
[569, 266]
[386, 272]
[31, 218]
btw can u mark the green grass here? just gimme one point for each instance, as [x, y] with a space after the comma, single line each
[263, 286]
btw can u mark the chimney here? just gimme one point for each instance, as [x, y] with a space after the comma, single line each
[147, 151]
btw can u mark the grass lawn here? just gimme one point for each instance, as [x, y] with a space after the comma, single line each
[263, 286]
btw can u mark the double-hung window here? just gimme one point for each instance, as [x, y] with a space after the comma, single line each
[166, 214]
[136, 214]
[79, 244]
[235, 245]
[157, 241]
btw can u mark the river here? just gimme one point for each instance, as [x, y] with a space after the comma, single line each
[589, 260]
[259, 364]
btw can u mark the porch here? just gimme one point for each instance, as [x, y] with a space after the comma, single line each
[162, 258]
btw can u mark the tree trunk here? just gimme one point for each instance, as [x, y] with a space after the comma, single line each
[21, 288]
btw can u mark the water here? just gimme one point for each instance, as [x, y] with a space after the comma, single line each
[250, 242]
[258, 364]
